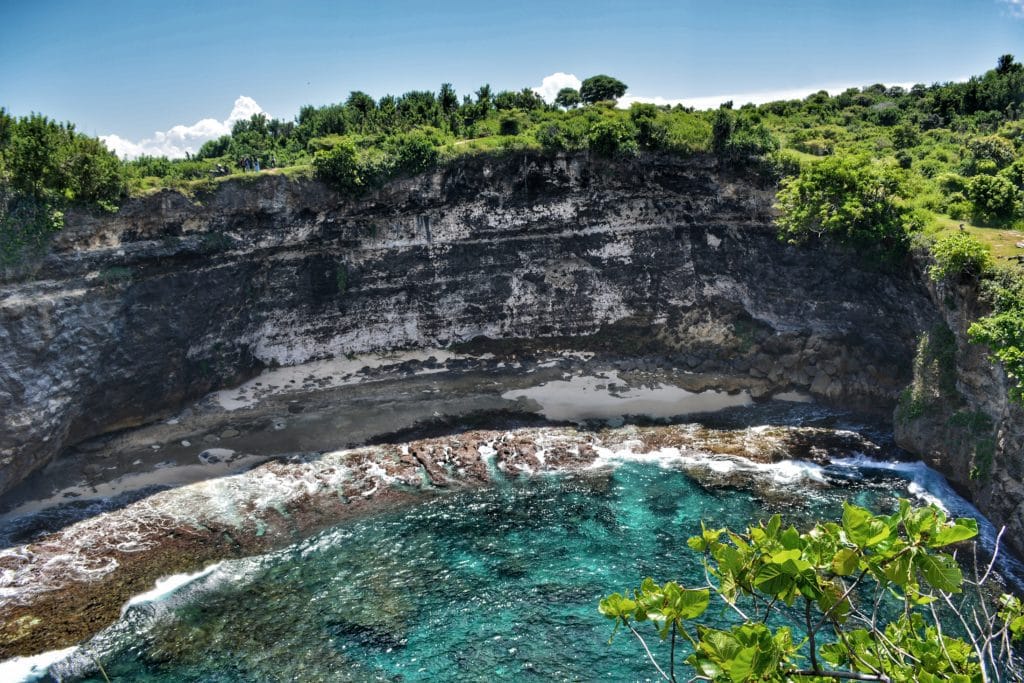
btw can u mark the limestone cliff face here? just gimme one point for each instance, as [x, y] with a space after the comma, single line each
[962, 421]
[135, 313]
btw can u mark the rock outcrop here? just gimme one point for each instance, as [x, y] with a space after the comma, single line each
[133, 314]
[958, 417]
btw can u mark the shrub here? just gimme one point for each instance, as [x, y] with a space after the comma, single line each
[847, 198]
[339, 167]
[413, 152]
[1003, 330]
[609, 138]
[994, 148]
[510, 124]
[958, 255]
[831, 580]
[994, 197]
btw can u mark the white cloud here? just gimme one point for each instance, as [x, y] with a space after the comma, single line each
[1016, 7]
[178, 140]
[739, 99]
[550, 86]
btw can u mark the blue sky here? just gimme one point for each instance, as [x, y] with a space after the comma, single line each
[132, 68]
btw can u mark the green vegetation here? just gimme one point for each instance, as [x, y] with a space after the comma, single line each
[878, 597]
[601, 88]
[867, 167]
[934, 378]
[46, 167]
[1003, 330]
[959, 255]
[848, 198]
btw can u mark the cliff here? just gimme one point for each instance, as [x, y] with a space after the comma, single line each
[136, 313]
[957, 414]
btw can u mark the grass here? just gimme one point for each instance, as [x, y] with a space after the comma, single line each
[1003, 242]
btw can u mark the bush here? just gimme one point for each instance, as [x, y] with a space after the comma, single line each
[651, 133]
[510, 124]
[1003, 330]
[737, 139]
[565, 136]
[413, 152]
[849, 199]
[339, 167]
[831, 580]
[960, 255]
[994, 148]
[609, 138]
[994, 197]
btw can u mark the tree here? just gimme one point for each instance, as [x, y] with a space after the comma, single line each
[1005, 65]
[848, 198]
[994, 197]
[483, 97]
[864, 600]
[448, 99]
[600, 88]
[361, 111]
[567, 98]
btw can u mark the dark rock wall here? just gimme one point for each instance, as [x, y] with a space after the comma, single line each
[135, 313]
[961, 420]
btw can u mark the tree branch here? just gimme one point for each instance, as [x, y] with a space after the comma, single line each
[648, 651]
[846, 675]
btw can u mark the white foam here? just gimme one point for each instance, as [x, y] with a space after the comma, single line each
[26, 669]
[162, 475]
[167, 585]
[781, 472]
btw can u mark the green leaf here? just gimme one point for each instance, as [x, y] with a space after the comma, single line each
[960, 530]
[898, 569]
[773, 579]
[863, 528]
[940, 571]
[693, 603]
[616, 606]
[741, 666]
[845, 562]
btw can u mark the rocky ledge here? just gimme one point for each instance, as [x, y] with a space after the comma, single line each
[67, 585]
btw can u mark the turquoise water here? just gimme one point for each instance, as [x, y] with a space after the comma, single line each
[495, 584]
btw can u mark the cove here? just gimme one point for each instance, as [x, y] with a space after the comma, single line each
[496, 583]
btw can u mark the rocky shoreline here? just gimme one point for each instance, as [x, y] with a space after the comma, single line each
[69, 584]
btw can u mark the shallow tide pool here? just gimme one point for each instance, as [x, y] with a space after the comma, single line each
[492, 584]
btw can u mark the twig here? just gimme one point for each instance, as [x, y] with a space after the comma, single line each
[672, 655]
[810, 634]
[648, 651]
[848, 675]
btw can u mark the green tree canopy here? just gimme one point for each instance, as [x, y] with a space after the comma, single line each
[600, 88]
[864, 600]
[567, 98]
[848, 198]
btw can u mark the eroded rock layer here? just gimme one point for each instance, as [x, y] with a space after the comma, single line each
[136, 313]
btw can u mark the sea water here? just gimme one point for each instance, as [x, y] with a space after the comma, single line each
[491, 584]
